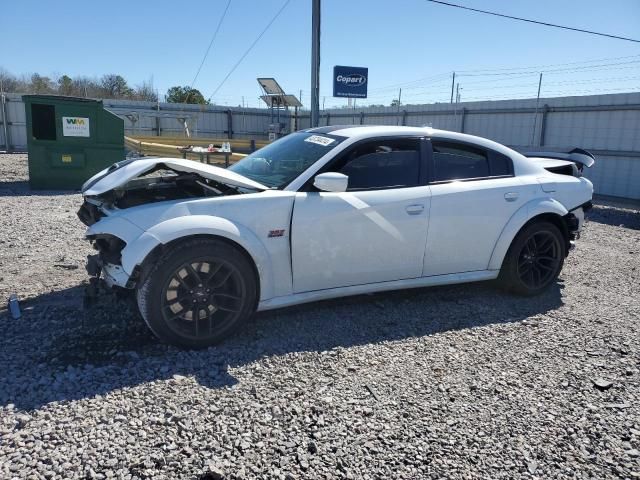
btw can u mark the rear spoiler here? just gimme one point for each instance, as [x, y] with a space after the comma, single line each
[580, 157]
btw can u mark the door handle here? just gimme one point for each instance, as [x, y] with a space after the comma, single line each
[511, 196]
[415, 209]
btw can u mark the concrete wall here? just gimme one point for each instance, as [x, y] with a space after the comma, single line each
[607, 125]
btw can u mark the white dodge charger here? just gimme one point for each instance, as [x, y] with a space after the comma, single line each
[329, 212]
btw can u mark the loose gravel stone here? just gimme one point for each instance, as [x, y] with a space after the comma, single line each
[456, 382]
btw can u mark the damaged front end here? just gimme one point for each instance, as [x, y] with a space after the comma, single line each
[105, 267]
[157, 186]
[107, 263]
[111, 193]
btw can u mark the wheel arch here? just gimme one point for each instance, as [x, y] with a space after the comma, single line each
[537, 210]
[155, 241]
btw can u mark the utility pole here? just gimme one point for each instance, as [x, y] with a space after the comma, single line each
[455, 105]
[244, 125]
[353, 113]
[453, 81]
[300, 98]
[315, 62]
[535, 115]
[399, 100]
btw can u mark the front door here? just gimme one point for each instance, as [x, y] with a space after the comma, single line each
[375, 231]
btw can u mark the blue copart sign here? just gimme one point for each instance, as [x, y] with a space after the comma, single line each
[350, 81]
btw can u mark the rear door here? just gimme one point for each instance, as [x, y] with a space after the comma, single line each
[474, 193]
[375, 231]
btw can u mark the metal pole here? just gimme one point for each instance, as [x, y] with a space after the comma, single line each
[5, 128]
[399, 100]
[353, 116]
[455, 107]
[244, 125]
[453, 81]
[535, 115]
[315, 62]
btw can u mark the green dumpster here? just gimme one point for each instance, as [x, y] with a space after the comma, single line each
[69, 139]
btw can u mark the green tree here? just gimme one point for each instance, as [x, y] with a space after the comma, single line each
[65, 85]
[115, 86]
[395, 102]
[185, 94]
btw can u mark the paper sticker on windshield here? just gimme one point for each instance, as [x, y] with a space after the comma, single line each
[324, 141]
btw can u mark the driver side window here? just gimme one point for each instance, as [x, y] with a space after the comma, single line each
[393, 163]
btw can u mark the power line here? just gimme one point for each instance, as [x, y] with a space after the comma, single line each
[213, 38]
[533, 71]
[595, 60]
[431, 79]
[533, 21]
[250, 48]
[568, 69]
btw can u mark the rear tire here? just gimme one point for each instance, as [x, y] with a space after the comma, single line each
[198, 293]
[534, 260]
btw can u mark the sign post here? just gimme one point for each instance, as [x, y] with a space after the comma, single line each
[315, 63]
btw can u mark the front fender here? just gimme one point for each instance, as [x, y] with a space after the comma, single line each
[529, 210]
[118, 226]
[180, 227]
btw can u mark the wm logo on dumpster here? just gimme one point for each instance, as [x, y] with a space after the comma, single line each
[75, 126]
[74, 121]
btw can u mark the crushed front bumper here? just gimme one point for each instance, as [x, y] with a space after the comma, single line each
[112, 275]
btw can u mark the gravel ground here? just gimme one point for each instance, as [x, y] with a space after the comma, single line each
[449, 382]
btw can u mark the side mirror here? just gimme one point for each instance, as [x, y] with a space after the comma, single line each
[331, 182]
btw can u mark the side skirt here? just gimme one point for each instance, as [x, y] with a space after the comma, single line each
[305, 297]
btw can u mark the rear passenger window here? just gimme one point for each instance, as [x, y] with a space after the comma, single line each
[500, 165]
[384, 164]
[454, 161]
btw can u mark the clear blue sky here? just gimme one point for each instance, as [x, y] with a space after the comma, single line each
[400, 41]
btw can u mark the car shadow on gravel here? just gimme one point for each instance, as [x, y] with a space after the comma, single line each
[60, 351]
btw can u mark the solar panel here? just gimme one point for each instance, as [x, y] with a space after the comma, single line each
[281, 100]
[270, 86]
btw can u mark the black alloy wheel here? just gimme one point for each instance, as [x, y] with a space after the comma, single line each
[534, 259]
[198, 292]
[202, 298]
[539, 259]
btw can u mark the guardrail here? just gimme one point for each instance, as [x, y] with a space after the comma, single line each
[156, 149]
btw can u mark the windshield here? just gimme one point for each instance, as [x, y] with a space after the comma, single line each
[280, 162]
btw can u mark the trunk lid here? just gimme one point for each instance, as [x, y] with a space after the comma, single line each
[120, 173]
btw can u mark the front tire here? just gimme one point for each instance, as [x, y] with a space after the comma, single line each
[198, 293]
[534, 260]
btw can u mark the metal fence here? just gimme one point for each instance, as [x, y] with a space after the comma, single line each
[607, 125]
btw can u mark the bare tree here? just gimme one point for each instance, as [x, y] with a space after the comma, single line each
[108, 86]
[41, 84]
[8, 82]
[146, 92]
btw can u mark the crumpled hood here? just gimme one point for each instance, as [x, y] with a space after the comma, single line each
[120, 173]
